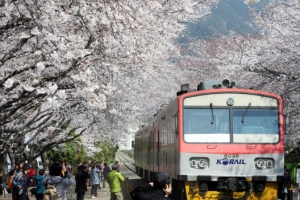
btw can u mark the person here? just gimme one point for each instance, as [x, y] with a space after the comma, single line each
[62, 183]
[117, 163]
[288, 187]
[40, 188]
[32, 175]
[95, 180]
[111, 164]
[68, 167]
[3, 187]
[284, 169]
[114, 179]
[21, 182]
[106, 170]
[86, 164]
[1, 183]
[99, 167]
[159, 189]
[79, 166]
[13, 172]
[81, 178]
[5, 190]
[101, 171]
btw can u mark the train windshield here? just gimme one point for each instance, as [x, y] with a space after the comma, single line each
[213, 125]
[206, 125]
[255, 126]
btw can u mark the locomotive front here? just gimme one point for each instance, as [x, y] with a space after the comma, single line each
[230, 145]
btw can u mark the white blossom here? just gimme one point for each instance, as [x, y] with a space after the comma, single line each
[9, 83]
[28, 88]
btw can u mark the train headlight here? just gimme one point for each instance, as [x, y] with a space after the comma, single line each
[202, 163]
[260, 164]
[264, 163]
[269, 163]
[193, 163]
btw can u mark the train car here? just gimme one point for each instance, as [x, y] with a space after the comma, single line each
[216, 142]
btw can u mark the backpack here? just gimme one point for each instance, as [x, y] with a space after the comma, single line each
[50, 192]
[10, 184]
[31, 172]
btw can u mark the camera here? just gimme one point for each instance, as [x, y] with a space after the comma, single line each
[20, 191]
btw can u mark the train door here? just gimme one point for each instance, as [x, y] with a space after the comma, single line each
[149, 151]
[176, 145]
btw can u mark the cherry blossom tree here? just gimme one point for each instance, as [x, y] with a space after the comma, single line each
[268, 62]
[87, 69]
[280, 60]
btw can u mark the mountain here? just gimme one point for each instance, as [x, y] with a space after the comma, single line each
[228, 15]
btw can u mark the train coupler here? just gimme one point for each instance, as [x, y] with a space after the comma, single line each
[232, 184]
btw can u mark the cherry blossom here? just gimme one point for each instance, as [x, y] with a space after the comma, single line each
[85, 68]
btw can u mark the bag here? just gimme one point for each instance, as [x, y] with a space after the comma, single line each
[33, 191]
[10, 184]
[50, 192]
[285, 191]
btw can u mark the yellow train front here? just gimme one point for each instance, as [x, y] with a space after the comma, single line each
[222, 143]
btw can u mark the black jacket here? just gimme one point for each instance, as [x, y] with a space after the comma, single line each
[81, 181]
[146, 192]
[106, 171]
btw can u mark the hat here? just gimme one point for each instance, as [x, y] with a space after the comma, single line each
[160, 180]
[26, 166]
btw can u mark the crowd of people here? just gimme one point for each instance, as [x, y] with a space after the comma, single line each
[54, 184]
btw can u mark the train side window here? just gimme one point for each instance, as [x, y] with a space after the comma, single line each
[173, 124]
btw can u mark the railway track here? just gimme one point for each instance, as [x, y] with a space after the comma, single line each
[128, 163]
[127, 169]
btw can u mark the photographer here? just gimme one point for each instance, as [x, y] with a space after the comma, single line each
[159, 189]
[61, 182]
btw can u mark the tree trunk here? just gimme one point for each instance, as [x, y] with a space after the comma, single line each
[45, 161]
[4, 166]
[31, 159]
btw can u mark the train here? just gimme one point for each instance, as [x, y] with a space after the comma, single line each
[216, 142]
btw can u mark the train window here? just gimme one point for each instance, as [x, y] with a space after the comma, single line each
[205, 125]
[257, 126]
